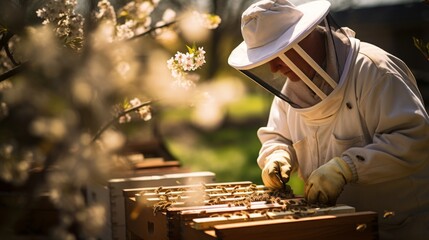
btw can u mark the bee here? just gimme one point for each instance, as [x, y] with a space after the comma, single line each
[247, 215]
[295, 209]
[312, 211]
[162, 205]
[268, 215]
[238, 214]
[163, 198]
[155, 210]
[247, 203]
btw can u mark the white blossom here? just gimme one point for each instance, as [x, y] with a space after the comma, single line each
[209, 21]
[106, 12]
[182, 63]
[135, 102]
[144, 112]
[68, 25]
[137, 18]
[169, 15]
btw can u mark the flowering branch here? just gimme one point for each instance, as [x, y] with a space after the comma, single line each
[152, 30]
[118, 116]
[180, 65]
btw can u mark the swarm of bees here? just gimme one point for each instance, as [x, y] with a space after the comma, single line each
[230, 196]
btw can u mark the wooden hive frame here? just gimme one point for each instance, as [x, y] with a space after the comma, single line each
[148, 221]
[351, 226]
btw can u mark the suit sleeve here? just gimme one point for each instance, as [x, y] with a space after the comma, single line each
[395, 116]
[275, 136]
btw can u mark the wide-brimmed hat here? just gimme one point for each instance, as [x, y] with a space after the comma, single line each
[273, 26]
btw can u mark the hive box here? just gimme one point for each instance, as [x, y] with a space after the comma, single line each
[111, 197]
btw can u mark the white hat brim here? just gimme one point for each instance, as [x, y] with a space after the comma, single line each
[313, 13]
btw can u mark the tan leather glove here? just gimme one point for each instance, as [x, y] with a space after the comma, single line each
[276, 167]
[326, 183]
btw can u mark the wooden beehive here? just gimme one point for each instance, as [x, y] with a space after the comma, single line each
[353, 226]
[224, 210]
[150, 173]
[144, 206]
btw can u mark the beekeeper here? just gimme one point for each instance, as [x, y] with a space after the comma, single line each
[346, 115]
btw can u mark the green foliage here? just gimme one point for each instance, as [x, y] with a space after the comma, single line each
[231, 150]
[250, 106]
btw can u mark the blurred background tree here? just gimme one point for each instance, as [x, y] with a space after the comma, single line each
[71, 75]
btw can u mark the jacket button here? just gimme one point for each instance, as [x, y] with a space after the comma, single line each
[349, 105]
[360, 158]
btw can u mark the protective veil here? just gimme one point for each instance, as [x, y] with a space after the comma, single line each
[305, 93]
[260, 51]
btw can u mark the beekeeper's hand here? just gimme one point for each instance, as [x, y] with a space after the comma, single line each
[326, 183]
[276, 167]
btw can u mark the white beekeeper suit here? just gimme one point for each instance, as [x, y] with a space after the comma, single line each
[364, 142]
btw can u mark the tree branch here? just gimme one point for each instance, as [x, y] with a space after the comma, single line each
[13, 71]
[7, 35]
[113, 120]
[152, 29]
